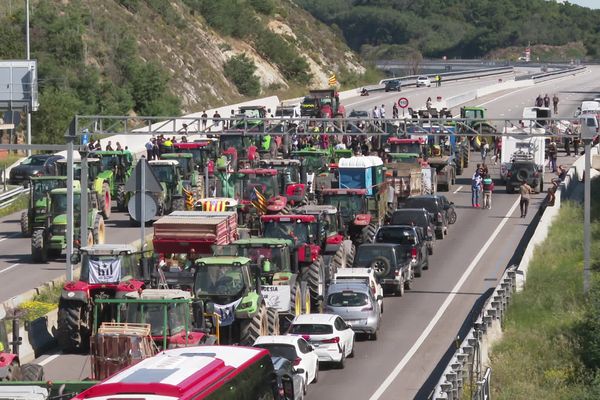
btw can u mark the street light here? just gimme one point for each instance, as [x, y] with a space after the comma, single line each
[30, 81]
[589, 128]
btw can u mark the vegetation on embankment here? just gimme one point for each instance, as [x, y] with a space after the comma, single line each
[551, 344]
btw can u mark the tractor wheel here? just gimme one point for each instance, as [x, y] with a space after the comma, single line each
[306, 306]
[337, 261]
[25, 231]
[13, 372]
[273, 318]
[99, 230]
[254, 327]
[105, 202]
[296, 300]
[350, 254]
[121, 198]
[316, 281]
[369, 233]
[73, 332]
[90, 237]
[179, 204]
[39, 252]
[32, 372]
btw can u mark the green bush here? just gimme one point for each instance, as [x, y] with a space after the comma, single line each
[263, 6]
[229, 17]
[131, 5]
[240, 70]
[273, 47]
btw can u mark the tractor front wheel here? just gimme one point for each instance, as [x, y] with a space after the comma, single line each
[99, 230]
[105, 201]
[121, 198]
[254, 327]
[25, 231]
[39, 252]
[73, 332]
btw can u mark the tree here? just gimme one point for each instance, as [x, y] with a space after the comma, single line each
[57, 109]
[240, 70]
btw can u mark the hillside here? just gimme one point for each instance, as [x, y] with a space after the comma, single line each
[457, 28]
[159, 57]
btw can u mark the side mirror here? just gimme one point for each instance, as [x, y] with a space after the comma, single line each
[75, 258]
[299, 370]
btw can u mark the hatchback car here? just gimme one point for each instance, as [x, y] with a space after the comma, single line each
[365, 275]
[355, 302]
[393, 86]
[35, 165]
[331, 337]
[418, 217]
[434, 205]
[423, 81]
[297, 350]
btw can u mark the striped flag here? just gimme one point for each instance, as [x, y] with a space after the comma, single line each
[332, 80]
[259, 201]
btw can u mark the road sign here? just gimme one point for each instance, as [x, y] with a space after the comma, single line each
[134, 206]
[402, 102]
[134, 183]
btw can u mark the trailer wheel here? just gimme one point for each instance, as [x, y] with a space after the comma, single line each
[39, 253]
[32, 372]
[73, 332]
[273, 320]
[25, 231]
[254, 327]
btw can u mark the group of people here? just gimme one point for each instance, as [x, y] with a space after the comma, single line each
[482, 183]
[159, 145]
[545, 101]
[94, 145]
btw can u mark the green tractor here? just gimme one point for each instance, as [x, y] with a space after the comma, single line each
[115, 169]
[172, 197]
[315, 169]
[475, 128]
[96, 182]
[39, 187]
[231, 288]
[283, 286]
[50, 239]
[189, 171]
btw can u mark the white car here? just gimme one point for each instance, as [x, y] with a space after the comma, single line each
[423, 81]
[366, 275]
[331, 337]
[297, 350]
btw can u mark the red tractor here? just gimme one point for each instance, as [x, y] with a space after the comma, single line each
[290, 179]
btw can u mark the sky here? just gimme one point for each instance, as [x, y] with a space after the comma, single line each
[586, 3]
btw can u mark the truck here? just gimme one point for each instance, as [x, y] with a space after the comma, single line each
[523, 158]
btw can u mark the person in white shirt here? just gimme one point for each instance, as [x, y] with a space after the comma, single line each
[382, 111]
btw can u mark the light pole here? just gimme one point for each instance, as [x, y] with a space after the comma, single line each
[589, 128]
[30, 82]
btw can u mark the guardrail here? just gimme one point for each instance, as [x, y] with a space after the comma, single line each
[567, 70]
[9, 196]
[464, 375]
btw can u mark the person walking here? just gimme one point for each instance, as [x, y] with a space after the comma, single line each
[488, 188]
[485, 148]
[375, 115]
[395, 111]
[546, 101]
[476, 188]
[539, 101]
[148, 145]
[525, 195]
[382, 112]
[552, 155]
[555, 103]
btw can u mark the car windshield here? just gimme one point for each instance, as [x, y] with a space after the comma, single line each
[59, 203]
[154, 314]
[41, 187]
[397, 235]
[427, 203]
[311, 329]
[34, 161]
[218, 280]
[286, 351]
[408, 218]
[291, 230]
[347, 298]
[109, 162]
[347, 205]
[366, 254]
[164, 173]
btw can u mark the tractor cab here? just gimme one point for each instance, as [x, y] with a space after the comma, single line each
[94, 168]
[201, 151]
[261, 179]
[186, 166]
[363, 172]
[250, 118]
[119, 162]
[300, 229]
[108, 264]
[472, 113]
[166, 171]
[402, 149]
[289, 177]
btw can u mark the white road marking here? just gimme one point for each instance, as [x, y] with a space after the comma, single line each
[400, 366]
[8, 237]
[457, 190]
[48, 359]
[8, 268]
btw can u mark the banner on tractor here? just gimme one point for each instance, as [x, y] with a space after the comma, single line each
[259, 201]
[277, 297]
[227, 312]
[102, 271]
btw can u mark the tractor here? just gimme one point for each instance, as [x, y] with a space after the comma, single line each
[115, 168]
[50, 239]
[283, 286]
[308, 236]
[475, 126]
[202, 152]
[39, 187]
[172, 197]
[290, 180]
[315, 169]
[238, 149]
[187, 168]
[96, 182]
[108, 271]
[231, 288]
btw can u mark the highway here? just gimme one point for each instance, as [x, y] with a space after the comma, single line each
[419, 328]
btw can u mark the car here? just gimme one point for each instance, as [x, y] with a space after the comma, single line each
[434, 205]
[354, 301]
[297, 350]
[523, 171]
[290, 384]
[449, 208]
[365, 275]
[34, 165]
[411, 239]
[395, 85]
[418, 217]
[331, 337]
[390, 262]
[423, 81]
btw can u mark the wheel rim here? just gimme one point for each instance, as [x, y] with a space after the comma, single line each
[306, 302]
[90, 239]
[101, 232]
[378, 267]
[298, 302]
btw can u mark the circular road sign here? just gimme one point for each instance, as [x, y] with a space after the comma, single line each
[402, 102]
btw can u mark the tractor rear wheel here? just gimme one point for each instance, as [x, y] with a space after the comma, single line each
[296, 300]
[105, 202]
[315, 277]
[254, 327]
[32, 373]
[39, 252]
[73, 332]
[25, 231]
[369, 233]
[99, 230]
[179, 204]
[337, 261]
[121, 198]
[273, 318]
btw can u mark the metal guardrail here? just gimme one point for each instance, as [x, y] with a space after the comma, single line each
[464, 376]
[9, 196]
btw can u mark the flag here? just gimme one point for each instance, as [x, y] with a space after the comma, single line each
[259, 201]
[332, 80]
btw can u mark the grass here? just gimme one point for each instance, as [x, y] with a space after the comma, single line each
[540, 355]
[41, 304]
[20, 204]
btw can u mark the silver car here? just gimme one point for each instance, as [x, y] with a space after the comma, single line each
[357, 305]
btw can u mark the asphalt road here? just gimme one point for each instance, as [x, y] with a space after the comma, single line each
[419, 328]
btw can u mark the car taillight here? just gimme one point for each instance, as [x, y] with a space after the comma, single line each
[297, 361]
[413, 253]
[306, 337]
[332, 340]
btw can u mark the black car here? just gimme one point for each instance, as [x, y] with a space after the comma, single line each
[289, 380]
[521, 172]
[411, 239]
[434, 205]
[390, 262]
[420, 218]
[35, 165]
[449, 208]
[393, 86]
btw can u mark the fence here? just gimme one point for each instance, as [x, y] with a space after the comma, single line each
[8, 197]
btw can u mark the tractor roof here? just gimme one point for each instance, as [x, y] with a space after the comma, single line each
[108, 249]
[109, 152]
[397, 140]
[193, 145]
[351, 192]
[170, 156]
[317, 209]
[48, 178]
[258, 171]
[288, 218]
[261, 241]
[223, 260]
[360, 162]
[173, 163]
[279, 162]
